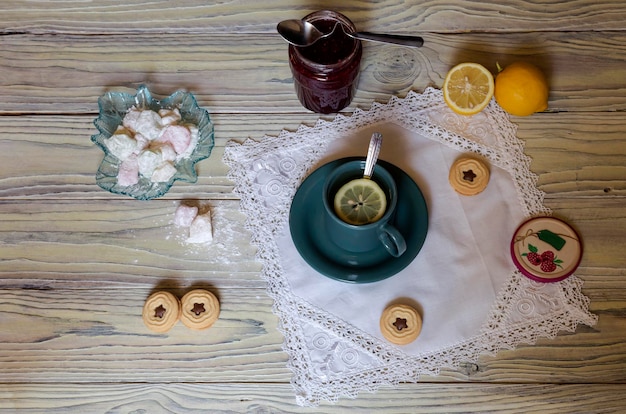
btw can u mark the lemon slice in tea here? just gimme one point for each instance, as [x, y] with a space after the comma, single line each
[360, 201]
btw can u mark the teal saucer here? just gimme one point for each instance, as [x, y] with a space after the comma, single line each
[322, 254]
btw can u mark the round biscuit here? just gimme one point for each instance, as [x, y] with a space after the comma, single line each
[200, 309]
[469, 176]
[400, 324]
[161, 311]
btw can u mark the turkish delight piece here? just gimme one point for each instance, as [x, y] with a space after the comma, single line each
[184, 215]
[193, 130]
[145, 122]
[149, 124]
[131, 119]
[142, 143]
[120, 145]
[168, 153]
[163, 172]
[169, 116]
[148, 161]
[128, 172]
[178, 136]
[122, 130]
[201, 229]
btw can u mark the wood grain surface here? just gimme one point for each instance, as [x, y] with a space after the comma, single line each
[77, 263]
[65, 73]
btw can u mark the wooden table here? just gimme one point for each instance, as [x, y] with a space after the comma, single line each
[77, 263]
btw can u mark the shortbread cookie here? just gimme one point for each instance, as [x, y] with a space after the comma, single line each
[400, 324]
[200, 309]
[469, 176]
[161, 311]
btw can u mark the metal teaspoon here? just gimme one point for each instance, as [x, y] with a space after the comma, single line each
[372, 154]
[301, 33]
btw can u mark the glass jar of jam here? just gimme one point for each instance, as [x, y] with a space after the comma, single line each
[326, 73]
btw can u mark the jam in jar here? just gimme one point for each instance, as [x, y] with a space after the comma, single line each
[326, 73]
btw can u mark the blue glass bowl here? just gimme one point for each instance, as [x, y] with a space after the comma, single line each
[113, 108]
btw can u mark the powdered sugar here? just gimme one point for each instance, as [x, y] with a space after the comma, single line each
[229, 241]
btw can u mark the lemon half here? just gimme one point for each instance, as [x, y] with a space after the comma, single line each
[468, 88]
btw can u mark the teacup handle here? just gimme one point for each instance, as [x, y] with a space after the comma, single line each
[391, 238]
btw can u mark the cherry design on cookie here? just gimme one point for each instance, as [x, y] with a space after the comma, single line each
[548, 267]
[547, 256]
[533, 258]
[546, 261]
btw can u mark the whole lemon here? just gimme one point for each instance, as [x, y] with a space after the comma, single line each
[521, 89]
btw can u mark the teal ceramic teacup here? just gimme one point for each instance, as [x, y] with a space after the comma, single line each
[374, 237]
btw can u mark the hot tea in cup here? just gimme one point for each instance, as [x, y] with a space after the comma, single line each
[360, 201]
[359, 211]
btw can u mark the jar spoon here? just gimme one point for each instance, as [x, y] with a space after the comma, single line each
[301, 33]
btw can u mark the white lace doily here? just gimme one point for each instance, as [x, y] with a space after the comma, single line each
[472, 298]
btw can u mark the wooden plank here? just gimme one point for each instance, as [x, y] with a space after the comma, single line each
[67, 73]
[109, 16]
[602, 226]
[573, 154]
[261, 398]
[123, 243]
[96, 335]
